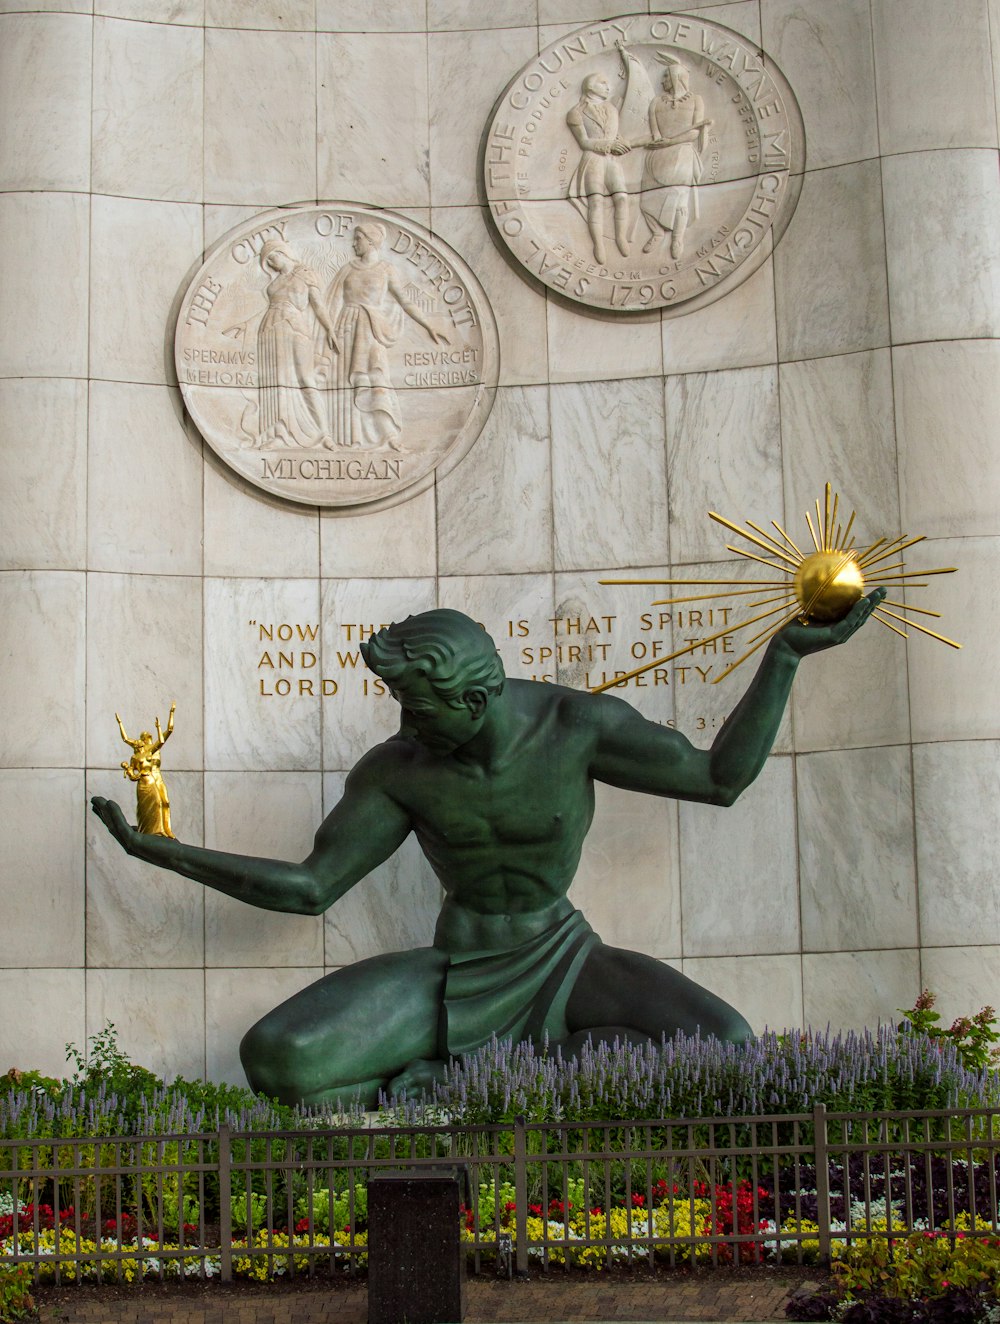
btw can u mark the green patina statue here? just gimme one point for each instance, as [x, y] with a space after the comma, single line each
[496, 778]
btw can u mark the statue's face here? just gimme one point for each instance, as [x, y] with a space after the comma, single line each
[433, 722]
[278, 261]
[675, 81]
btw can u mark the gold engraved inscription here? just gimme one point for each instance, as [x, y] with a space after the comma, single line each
[291, 659]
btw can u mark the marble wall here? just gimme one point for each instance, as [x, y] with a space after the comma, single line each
[857, 869]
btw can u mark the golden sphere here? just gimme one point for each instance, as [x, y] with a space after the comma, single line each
[827, 585]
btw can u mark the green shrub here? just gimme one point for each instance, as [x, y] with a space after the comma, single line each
[922, 1264]
[974, 1037]
[16, 1301]
[488, 1196]
[325, 1219]
[247, 1209]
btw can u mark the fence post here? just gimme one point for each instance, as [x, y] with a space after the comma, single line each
[225, 1205]
[520, 1198]
[822, 1153]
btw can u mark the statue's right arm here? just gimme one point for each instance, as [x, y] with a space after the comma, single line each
[364, 829]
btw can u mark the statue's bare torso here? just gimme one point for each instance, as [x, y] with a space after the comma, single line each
[504, 842]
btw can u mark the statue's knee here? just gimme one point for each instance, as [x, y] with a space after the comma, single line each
[730, 1026]
[268, 1057]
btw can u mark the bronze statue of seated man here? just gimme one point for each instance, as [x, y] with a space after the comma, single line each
[496, 778]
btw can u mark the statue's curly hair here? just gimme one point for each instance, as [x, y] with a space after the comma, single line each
[448, 647]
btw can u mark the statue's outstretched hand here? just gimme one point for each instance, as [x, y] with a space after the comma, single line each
[113, 819]
[802, 640]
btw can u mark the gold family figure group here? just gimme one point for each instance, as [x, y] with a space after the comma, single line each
[143, 768]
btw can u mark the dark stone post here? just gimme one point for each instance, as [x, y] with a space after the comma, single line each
[416, 1264]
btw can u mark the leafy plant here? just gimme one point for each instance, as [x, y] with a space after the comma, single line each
[489, 1196]
[951, 1305]
[942, 1277]
[105, 1063]
[248, 1209]
[812, 1306]
[919, 1265]
[335, 1219]
[975, 1037]
[16, 1301]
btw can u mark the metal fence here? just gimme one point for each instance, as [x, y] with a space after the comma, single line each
[707, 1191]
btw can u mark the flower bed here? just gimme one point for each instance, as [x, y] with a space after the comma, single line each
[115, 1175]
[677, 1228]
[925, 1277]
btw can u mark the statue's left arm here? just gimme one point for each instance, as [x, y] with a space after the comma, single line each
[362, 830]
[642, 756]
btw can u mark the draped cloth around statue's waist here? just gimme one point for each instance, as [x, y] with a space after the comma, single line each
[518, 994]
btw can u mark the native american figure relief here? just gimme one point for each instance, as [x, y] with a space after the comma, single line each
[673, 166]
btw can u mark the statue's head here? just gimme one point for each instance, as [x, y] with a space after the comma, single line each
[676, 79]
[446, 647]
[368, 235]
[276, 256]
[596, 85]
[443, 669]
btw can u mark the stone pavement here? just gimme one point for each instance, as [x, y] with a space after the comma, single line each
[705, 1295]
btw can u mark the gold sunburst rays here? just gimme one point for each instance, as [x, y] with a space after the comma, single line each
[815, 587]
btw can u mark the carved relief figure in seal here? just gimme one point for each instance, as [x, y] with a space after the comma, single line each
[495, 777]
[143, 768]
[291, 402]
[367, 302]
[593, 121]
[669, 198]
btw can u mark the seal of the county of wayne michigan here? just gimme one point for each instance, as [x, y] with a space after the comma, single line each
[643, 162]
[337, 355]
